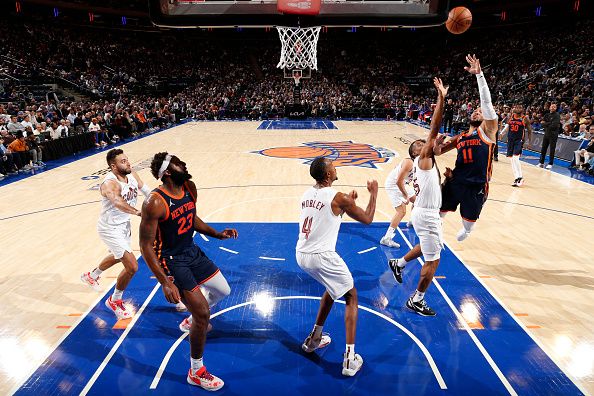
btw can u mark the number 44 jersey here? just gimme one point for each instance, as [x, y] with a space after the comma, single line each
[318, 225]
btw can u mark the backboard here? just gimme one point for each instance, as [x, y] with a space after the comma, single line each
[265, 13]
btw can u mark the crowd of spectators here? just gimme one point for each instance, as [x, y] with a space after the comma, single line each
[233, 78]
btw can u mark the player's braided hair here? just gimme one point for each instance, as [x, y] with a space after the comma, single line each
[156, 163]
[317, 169]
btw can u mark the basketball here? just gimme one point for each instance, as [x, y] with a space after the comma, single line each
[459, 20]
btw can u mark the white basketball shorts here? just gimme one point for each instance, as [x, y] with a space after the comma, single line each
[396, 197]
[329, 269]
[117, 238]
[427, 224]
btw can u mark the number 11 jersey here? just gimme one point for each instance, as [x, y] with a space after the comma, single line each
[318, 225]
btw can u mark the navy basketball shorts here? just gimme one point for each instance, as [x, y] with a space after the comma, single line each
[190, 269]
[470, 197]
[514, 147]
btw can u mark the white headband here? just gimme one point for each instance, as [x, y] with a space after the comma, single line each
[164, 165]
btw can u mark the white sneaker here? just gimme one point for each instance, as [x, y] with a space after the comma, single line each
[205, 380]
[310, 345]
[88, 280]
[350, 367]
[180, 307]
[118, 308]
[462, 235]
[185, 325]
[549, 166]
[387, 241]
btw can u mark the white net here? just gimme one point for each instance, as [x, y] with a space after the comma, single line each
[299, 49]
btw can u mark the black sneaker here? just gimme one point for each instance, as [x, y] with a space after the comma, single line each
[419, 307]
[396, 270]
[516, 182]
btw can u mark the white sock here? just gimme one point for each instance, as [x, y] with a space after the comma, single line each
[468, 225]
[96, 273]
[401, 262]
[391, 232]
[117, 295]
[317, 331]
[350, 351]
[418, 296]
[196, 364]
[518, 165]
[514, 167]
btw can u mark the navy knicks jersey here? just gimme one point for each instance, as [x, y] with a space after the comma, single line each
[516, 128]
[473, 164]
[175, 232]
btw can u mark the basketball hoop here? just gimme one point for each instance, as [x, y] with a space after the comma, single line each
[299, 47]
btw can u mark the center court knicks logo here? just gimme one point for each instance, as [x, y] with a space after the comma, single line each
[345, 153]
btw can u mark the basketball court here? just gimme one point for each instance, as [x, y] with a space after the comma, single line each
[512, 300]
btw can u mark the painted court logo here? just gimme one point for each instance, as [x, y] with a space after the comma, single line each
[345, 153]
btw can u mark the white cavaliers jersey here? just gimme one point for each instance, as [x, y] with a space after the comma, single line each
[112, 216]
[427, 186]
[318, 225]
[391, 184]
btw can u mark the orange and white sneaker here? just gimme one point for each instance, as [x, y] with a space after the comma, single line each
[205, 380]
[185, 325]
[88, 280]
[310, 345]
[351, 366]
[118, 308]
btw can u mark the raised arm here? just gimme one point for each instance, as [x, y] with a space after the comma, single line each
[346, 203]
[427, 150]
[489, 115]
[146, 191]
[153, 209]
[111, 190]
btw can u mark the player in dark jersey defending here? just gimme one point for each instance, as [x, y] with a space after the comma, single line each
[517, 125]
[469, 184]
[166, 241]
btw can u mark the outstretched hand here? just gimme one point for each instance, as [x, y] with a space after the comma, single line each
[443, 91]
[228, 233]
[474, 66]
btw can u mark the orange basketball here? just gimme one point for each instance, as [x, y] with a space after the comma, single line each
[459, 20]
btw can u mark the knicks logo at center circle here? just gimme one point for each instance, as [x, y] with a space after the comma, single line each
[345, 153]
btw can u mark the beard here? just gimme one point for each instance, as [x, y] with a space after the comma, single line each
[476, 123]
[179, 178]
[124, 171]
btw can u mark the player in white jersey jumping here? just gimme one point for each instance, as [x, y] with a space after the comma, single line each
[396, 187]
[322, 208]
[425, 215]
[119, 191]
